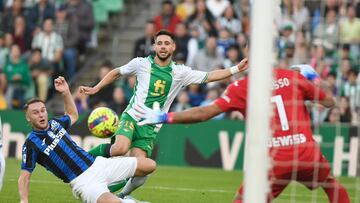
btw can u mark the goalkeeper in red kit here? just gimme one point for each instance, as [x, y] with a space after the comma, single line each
[294, 153]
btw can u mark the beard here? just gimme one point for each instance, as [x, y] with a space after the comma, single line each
[163, 58]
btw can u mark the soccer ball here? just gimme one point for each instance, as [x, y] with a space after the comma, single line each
[103, 122]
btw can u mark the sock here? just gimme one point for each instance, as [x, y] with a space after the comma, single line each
[132, 184]
[101, 150]
[127, 201]
[335, 191]
[117, 186]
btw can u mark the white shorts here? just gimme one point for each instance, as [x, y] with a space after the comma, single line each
[92, 183]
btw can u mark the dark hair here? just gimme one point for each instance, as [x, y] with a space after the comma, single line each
[107, 63]
[164, 32]
[36, 50]
[167, 2]
[31, 101]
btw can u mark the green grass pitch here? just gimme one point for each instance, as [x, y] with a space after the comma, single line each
[167, 184]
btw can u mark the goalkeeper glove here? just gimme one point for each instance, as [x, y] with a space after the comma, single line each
[152, 116]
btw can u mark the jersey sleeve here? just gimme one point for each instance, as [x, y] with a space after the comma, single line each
[193, 76]
[29, 157]
[311, 91]
[65, 121]
[230, 99]
[129, 68]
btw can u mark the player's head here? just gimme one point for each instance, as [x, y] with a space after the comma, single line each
[36, 114]
[164, 45]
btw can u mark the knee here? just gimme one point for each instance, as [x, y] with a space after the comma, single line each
[119, 149]
[145, 166]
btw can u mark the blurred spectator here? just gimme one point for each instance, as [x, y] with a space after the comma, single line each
[41, 11]
[118, 102]
[82, 11]
[344, 108]
[318, 61]
[182, 102]
[67, 27]
[300, 14]
[319, 114]
[106, 94]
[217, 7]
[185, 8]
[289, 52]
[351, 89]
[344, 70]
[350, 30]
[4, 51]
[9, 40]
[229, 21]
[333, 115]
[195, 95]
[211, 96]
[144, 45]
[41, 72]
[18, 78]
[181, 39]
[8, 19]
[286, 36]
[194, 45]
[243, 42]
[202, 20]
[20, 35]
[328, 31]
[301, 55]
[50, 43]
[233, 56]
[331, 80]
[344, 53]
[206, 59]
[81, 102]
[167, 19]
[225, 40]
[129, 87]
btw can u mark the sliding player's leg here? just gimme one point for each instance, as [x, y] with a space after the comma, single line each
[335, 191]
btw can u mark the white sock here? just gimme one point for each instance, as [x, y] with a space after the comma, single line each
[127, 201]
[132, 184]
[2, 168]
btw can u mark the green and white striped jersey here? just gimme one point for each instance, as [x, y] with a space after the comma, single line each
[156, 83]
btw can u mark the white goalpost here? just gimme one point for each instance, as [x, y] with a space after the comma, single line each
[259, 110]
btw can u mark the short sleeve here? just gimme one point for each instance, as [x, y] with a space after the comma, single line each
[232, 99]
[65, 121]
[193, 76]
[129, 68]
[29, 156]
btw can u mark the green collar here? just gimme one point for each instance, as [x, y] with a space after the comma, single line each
[155, 65]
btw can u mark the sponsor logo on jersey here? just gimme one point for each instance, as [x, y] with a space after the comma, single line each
[56, 140]
[287, 140]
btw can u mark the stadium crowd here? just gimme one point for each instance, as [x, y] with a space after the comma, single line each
[209, 33]
[39, 40]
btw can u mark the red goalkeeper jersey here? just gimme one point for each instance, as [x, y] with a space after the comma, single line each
[290, 120]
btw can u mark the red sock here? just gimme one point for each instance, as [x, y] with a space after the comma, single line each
[335, 191]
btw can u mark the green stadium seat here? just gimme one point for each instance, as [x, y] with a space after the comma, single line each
[113, 6]
[100, 12]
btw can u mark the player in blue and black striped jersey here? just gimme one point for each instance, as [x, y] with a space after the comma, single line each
[51, 146]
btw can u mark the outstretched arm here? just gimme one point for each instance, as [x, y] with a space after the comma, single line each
[70, 108]
[109, 78]
[225, 73]
[23, 185]
[192, 115]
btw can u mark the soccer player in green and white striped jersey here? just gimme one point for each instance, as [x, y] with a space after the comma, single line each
[159, 79]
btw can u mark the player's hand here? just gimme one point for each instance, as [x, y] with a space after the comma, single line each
[87, 90]
[307, 71]
[61, 85]
[243, 65]
[150, 116]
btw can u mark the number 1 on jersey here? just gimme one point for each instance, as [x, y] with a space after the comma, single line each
[281, 111]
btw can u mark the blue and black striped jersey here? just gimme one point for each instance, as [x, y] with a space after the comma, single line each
[56, 151]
